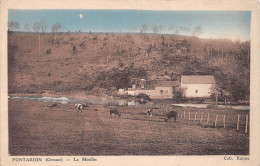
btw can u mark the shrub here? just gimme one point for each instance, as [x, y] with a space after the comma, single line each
[50, 40]
[178, 94]
[95, 38]
[74, 49]
[120, 64]
[58, 43]
[65, 42]
[143, 96]
[82, 45]
[48, 52]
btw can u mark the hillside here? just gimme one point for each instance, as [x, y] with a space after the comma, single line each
[101, 63]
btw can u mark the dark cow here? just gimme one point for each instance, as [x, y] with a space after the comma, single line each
[150, 112]
[53, 105]
[171, 114]
[114, 111]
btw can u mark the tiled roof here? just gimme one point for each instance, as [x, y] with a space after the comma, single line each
[151, 84]
[198, 79]
[166, 83]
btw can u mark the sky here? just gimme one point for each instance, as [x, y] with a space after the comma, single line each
[213, 24]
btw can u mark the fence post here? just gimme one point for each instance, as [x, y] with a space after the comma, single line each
[201, 115]
[246, 123]
[208, 119]
[216, 121]
[189, 115]
[181, 114]
[195, 116]
[224, 121]
[238, 122]
[225, 102]
[184, 114]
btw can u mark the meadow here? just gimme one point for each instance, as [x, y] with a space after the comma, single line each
[37, 129]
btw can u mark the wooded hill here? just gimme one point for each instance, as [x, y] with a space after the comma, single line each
[101, 63]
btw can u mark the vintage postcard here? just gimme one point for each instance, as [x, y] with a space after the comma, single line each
[129, 82]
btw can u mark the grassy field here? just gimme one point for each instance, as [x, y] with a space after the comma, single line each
[36, 129]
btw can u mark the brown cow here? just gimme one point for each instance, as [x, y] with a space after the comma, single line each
[171, 114]
[114, 111]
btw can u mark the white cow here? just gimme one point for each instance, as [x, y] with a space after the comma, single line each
[150, 112]
[79, 107]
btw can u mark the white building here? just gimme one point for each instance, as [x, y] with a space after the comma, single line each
[155, 89]
[122, 92]
[197, 85]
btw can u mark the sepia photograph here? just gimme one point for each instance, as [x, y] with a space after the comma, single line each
[128, 82]
[91, 82]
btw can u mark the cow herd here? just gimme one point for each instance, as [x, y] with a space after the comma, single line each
[115, 111]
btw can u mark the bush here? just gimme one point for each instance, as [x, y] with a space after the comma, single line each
[82, 45]
[50, 40]
[213, 97]
[178, 94]
[48, 52]
[120, 64]
[95, 38]
[71, 38]
[74, 49]
[143, 96]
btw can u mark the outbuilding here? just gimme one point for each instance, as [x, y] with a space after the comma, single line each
[197, 86]
[155, 89]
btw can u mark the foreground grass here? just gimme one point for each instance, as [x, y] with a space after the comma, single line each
[36, 129]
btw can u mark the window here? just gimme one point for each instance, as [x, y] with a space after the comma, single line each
[164, 91]
[196, 91]
[142, 85]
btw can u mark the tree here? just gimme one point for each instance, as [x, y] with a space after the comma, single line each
[216, 93]
[56, 27]
[178, 93]
[26, 28]
[13, 26]
[43, 26]
[155, 29]
[197, 31]
[36, 27]
[10, 26]
[144, 28]
[16, 26]
[161, 27]
[171, 28]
